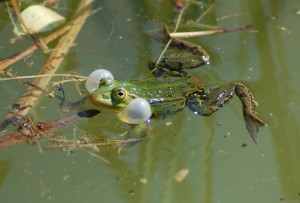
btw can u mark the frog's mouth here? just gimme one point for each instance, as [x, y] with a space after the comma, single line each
[103, 102]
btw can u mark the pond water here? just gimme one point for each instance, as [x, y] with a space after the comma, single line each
[224, 164]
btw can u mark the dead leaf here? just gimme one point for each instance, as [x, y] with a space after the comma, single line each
[180, 175]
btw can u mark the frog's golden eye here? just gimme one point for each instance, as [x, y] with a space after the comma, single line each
[119, 94]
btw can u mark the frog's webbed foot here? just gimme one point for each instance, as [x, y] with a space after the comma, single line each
[136, 134]
[253, 122]
[253, 125]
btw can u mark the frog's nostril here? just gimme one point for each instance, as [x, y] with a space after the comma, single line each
[97, 78]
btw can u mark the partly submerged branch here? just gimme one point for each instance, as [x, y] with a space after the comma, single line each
[28, 131]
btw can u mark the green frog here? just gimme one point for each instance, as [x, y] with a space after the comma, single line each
[173, 89]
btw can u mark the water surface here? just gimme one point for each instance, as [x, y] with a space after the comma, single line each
[224, 164]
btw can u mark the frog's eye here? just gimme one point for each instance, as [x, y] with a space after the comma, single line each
[119, 94]
[97, 78]
[164, 60]
[137, 111]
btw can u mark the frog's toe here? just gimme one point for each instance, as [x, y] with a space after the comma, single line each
[253, 126]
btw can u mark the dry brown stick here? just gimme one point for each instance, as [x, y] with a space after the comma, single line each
[13, 59]
[53, 62]
[209, 32]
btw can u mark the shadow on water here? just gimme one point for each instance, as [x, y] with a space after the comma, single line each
[276, 76]
[158, 159]
[5, 167]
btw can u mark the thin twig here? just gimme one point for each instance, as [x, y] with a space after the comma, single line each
[41, 76]
[231, 15]
[111, 33]
[209, 32]
[205, 13]
[175, 29]
[95, 155]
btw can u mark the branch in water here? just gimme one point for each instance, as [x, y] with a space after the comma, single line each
[26, 132]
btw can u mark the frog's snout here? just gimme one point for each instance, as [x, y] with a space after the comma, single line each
[205, 58]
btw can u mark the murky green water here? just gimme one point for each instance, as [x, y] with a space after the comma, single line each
[220, 169]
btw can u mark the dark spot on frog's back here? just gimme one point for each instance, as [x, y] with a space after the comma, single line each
[181, 86]
[226, 100]
[195, 50]
[180, 65]
[194, 102]
[181, 45]
[241, 94]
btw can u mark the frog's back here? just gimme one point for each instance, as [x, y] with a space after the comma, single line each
[166, 96]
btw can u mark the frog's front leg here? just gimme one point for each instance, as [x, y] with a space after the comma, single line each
[135, 135]
[215, 98]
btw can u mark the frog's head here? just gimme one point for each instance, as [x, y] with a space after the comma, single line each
[111, 95]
